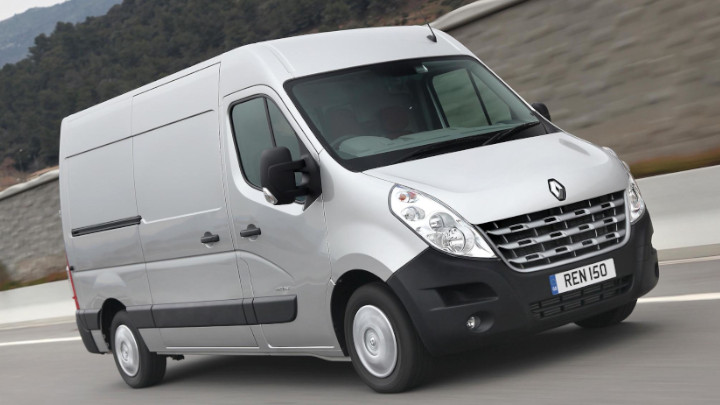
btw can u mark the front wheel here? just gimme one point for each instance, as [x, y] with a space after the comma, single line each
[609, 318]
[138, 366]
[386, 351]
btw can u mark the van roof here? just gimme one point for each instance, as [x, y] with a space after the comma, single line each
[314, 53]
[321, 52]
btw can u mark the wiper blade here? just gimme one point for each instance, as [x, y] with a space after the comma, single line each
[514, 130]
[432, 149]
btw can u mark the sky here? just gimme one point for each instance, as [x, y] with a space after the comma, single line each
[8, 8]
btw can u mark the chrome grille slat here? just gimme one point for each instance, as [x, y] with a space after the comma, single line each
[557, 218]
[568, 232]
[561, 234]
[569, 248]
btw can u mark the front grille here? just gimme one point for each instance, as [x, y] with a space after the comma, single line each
[560, 234]
[579, 298]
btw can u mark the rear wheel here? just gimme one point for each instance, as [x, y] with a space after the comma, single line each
[386, 351]
[609, 318]
[137, 365]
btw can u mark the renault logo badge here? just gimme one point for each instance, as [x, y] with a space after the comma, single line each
[557, 189]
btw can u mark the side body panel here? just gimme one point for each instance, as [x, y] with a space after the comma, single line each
[178, 179]
[96, 187]
[362, 233]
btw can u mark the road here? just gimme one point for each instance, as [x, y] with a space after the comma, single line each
[667, 352]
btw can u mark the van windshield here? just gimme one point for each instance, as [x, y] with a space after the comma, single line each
[384, 114]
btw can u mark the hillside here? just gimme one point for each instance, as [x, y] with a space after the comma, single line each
[18, 33]
[140, 41]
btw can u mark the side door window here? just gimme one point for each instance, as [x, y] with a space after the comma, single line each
[258, 124]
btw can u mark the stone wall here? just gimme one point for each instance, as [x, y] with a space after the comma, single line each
[31, 243]
[640, 76]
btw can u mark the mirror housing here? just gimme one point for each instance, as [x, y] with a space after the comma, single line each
[277, 177]
[542, 109]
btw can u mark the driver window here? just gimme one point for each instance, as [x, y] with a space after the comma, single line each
[258, 124]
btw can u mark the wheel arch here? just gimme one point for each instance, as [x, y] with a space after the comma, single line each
[345, 286]
[109, 309]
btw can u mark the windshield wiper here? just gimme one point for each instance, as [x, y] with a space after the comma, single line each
[433, 149]
[503, 134]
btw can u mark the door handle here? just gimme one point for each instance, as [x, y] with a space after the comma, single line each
[250, 231]
[209, 238]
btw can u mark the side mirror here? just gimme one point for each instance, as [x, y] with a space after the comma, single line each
[542, 109]
[277, 177]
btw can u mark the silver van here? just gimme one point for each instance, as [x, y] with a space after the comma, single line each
[377, 195]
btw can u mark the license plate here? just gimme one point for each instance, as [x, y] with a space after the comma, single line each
[582, 276]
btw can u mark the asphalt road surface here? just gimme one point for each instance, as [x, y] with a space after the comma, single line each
[667, 352]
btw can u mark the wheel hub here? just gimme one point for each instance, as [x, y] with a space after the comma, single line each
[127, 350]
[375, 341]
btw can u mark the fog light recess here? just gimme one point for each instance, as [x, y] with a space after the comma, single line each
[472, 323]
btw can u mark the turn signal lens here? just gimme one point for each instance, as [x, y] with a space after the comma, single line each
[437, 224]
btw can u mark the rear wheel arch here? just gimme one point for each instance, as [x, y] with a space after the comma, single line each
[109, 309]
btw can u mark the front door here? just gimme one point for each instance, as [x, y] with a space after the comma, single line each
[284, 246]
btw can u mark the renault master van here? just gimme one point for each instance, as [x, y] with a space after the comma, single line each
[377, 195]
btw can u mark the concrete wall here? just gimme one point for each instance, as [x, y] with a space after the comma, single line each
[640, 76]
[31, 244]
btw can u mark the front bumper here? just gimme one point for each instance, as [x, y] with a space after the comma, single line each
[440, 292]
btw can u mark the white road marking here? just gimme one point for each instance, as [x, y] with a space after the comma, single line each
[681, 298]
[39, 341]
[691, 260]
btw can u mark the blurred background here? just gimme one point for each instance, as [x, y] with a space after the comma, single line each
[639, 76]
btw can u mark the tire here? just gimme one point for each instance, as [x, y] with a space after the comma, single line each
[137, 365]
[609, 318]
[389, 355]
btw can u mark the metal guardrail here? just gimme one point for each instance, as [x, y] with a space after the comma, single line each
[471, 12]
[37, 181]
[685, 209]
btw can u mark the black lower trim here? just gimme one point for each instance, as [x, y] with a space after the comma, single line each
[85, 334]
[90, 318]
[186, 315]
[278, 309]
[249, 311]
[141, 316]
[246, 311]
[106, 226]
[440, 293]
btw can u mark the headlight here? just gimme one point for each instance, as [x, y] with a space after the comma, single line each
[634, 198]
[635, 201]
[437, 224]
